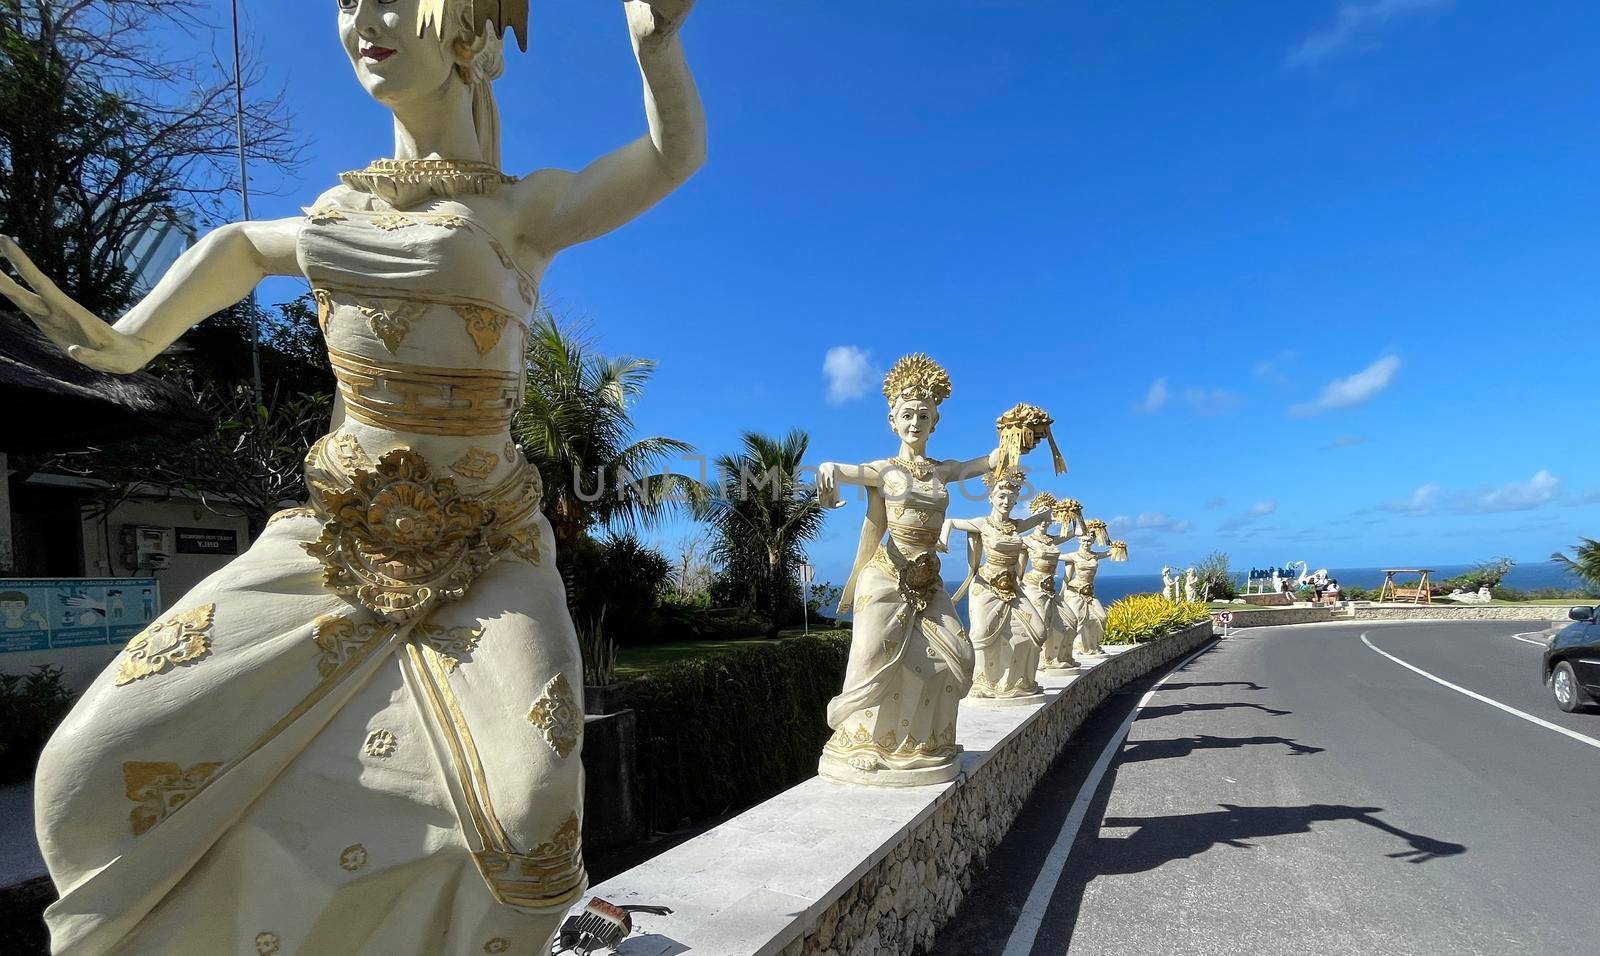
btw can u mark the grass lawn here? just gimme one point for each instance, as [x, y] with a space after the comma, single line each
[637, 661]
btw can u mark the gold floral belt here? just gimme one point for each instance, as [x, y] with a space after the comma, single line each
[1003, 584]
[398, 540]
[1087, 590]
[916, 577]
[1043, 580]
[426, 401]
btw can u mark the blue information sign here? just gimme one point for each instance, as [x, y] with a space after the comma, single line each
[38, 614]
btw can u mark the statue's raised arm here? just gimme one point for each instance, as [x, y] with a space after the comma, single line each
[560, 208]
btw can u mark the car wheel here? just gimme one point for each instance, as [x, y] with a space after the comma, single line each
[1564, 687]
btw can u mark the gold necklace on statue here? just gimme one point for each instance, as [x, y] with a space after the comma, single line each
[402, 181]
[920, 468]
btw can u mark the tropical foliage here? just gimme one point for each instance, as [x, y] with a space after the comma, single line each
[576, 427]
[1139, 618]
[1216, 581]
[1584, 561]
[1484, 574]
[763, 514]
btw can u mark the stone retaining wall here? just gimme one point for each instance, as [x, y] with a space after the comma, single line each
[826, 869]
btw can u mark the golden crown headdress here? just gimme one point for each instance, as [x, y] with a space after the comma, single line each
[1043, 501]
[916, 377]
[499, 14]
[1012, 478]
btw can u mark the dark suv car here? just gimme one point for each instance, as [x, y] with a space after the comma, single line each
[1572, 661]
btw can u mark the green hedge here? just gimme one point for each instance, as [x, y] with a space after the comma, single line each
[724, 732]
[31, 706]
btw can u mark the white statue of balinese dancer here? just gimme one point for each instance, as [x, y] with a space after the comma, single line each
[1007, 630]
[1169, 583]
[1081, 567]
[910, 659]
[1191, 585]
[363, 735]
[1039, 582]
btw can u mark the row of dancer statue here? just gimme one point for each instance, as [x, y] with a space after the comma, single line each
[911, 661]
[1175, 588]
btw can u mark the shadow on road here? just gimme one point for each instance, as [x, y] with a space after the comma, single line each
[1213, 683]
[1172, 710]
[1182, 747]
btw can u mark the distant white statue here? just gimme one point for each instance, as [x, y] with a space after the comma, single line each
[1169, 583]
[1081, 566]
[1191, 583]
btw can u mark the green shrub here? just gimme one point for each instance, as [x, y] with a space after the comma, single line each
[31, 706]
[622, 579]
[1139, 618]
[1216, 578]
[730, 730]
[1484, 574]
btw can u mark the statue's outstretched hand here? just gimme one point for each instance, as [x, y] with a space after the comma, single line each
[656, 21]
[81, 333]
[828, 485]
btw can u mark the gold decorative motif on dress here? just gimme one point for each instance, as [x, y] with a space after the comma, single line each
[353, 858]
[391, 222]
[347, 451]
[339, 637]
[456, 403]
[556, 712]
[182, 637]
[475, 463]
[160, 789]
[452, 644]
[889, 745]
[299, 511]
[324, 300]
[267, 944]
[445, 220]
[497, 945]
[381, 743]
[549, 872]
[483, 324]
[391, 325]
[325, 213]
[511, 452]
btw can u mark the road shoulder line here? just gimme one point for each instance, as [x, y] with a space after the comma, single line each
[1479, 697]
[1026, 931]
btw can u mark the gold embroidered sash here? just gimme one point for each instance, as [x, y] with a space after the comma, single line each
[426, 401]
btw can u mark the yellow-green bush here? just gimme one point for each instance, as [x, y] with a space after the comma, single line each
[1144, 617]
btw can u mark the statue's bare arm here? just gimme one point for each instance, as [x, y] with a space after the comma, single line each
[831, 474]
[213, 274]
[557, 208]
[957, 470]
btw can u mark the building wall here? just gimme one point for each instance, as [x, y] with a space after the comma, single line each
[186, 570]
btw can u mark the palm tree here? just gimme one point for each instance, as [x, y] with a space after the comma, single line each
[1585, 562]
[575, 426]
[763, 515]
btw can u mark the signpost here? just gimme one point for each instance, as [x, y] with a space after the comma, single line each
[1226, 619]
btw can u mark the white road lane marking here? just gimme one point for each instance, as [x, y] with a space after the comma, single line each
[1026, 932]
[1487, 700]
[1524, 638]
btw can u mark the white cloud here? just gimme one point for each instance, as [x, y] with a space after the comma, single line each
[1155, 399]
[1255, 513]
[1150, 521]
[1356, 26]
[849, 372]
[1212, 401]
[1353, 390]
[1422, 500]
[1271, 369]
[1541, 489]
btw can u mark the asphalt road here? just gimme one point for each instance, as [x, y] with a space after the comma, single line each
[1291, 790]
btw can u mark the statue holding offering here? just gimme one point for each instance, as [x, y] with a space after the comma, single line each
[363, 735]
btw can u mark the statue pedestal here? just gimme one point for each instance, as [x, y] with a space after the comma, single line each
[1020, 701]
[838, 769]
[1061, 671]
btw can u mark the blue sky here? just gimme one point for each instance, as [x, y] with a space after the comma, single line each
[1298, 280]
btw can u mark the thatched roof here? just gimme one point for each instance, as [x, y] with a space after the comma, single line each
[48, 402]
